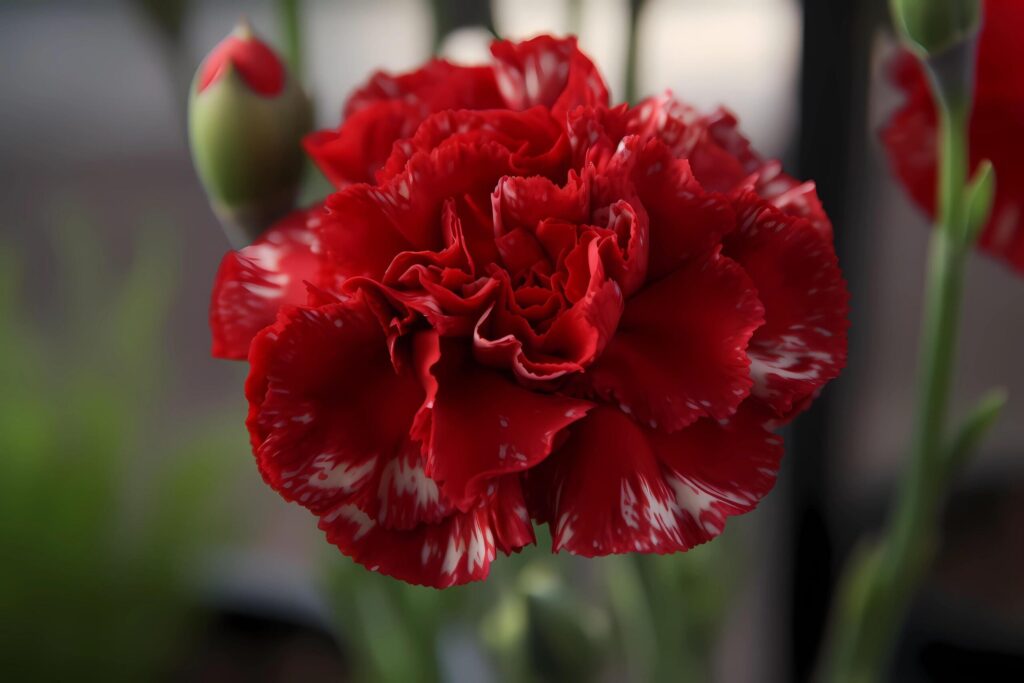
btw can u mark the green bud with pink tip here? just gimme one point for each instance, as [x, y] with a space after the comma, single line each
[246, 119]
[933, 26]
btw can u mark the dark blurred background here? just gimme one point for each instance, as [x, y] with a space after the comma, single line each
[138, 541]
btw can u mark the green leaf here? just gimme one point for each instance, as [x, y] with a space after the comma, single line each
[100, 584]
[979, 194]
[974, 429]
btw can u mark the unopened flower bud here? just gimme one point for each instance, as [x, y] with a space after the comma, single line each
[933, 26]
[247, 116]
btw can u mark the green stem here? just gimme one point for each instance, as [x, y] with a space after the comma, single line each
[291, 26]
[877, 591]
[575, 12]
[632, 47]
[631, 610]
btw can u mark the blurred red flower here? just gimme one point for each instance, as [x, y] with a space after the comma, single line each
[522, 304]
[996, 128]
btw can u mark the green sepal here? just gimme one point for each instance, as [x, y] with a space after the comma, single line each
[973, 429]
[247, 150]
[978, 197]
[933, 26]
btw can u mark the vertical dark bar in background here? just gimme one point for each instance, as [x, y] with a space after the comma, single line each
[833, 105]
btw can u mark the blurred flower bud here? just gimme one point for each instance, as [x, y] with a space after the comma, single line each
[246, 119]
[933, 26]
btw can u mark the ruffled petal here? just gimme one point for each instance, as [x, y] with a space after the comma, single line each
[330, 420]
[802, 344]
[685, 220]
[680, 351]
[439, 286]
[454, 551]
[766, 177]
[406, 496]
[618, 487]
[484, 426]
[602, 492]
[253, 283]
[717, 469]
[389, 108]
[536, 144]
[525, 203]
[547, 71]
[368, 225]
[575, 336]
[327, 409]
[723, 159]
[502, 339]
[358, 236]
[584, 330]
[789, 195]
[510, 518]
[354, 152]
[594, 134]
[435, 86]
[450, 313]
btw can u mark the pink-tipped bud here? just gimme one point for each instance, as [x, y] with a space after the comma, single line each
[257, 65]
[247, 117]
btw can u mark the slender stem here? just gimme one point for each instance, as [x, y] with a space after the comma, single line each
[877, 592]
[630, 605]
[921, 490]
[575, 20]
[291, 26]
[632, 46]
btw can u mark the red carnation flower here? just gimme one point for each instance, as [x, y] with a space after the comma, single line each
[996, 128]
[538, 308]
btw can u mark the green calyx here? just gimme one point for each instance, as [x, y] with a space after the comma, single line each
[932, 26]
[247, 150]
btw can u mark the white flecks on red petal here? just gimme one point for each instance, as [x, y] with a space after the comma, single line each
[720, 468]
[344, 476]
[455, 550]
[406, 495]
[322, 439]
[793, 265]
[670, 491]
[468, 447]
[549, 72]
[723, 158]
[253, 283]
[603, 491]
[314, 391]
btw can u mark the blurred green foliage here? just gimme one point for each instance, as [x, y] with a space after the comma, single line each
[542, 617]
[168, 16]
[102, 512]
